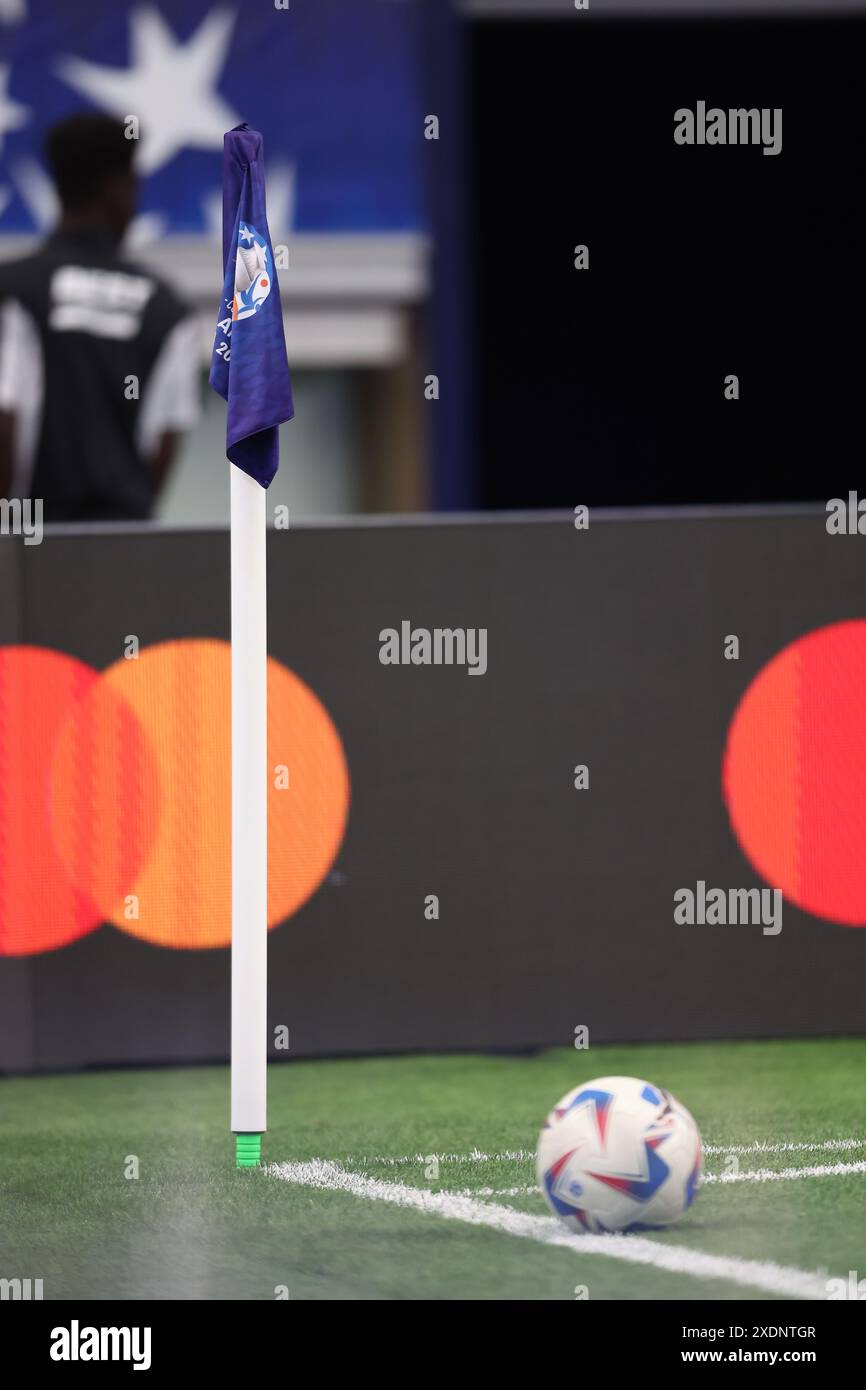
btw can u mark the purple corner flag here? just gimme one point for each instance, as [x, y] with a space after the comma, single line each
[249, 368]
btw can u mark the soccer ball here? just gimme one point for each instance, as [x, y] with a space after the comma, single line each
[618, 1153]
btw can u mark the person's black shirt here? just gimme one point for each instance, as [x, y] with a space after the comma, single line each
[97, 359]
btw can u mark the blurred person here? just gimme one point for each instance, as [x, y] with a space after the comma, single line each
[99, 363]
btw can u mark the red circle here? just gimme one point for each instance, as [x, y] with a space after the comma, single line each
[794, 772]
[41, 908]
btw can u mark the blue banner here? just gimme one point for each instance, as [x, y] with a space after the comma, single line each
[333, 86]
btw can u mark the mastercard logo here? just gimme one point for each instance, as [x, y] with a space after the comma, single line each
[115, 799]
[794, 772]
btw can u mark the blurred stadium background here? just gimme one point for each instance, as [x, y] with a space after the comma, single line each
[410, 257]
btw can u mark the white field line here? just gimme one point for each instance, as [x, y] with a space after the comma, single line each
[758, 1274]
[814, 1170]
[529, 1190]
[759, 1147]
[472, 1156]
[526, 1155]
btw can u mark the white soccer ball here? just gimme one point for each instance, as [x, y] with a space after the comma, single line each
[618, 1153]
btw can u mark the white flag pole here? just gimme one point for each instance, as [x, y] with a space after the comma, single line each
[249, 817]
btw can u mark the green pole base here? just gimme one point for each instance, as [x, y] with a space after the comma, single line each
[248, 1150]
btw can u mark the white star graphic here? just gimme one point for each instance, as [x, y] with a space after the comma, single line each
[145, 230]
[282, 178]
[36, 192]
[170, 87]
[12, 114]
[12, 11]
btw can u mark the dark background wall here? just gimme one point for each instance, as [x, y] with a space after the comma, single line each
[605, 648]
[606, 386]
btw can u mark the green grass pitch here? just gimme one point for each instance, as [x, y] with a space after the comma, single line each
[192, 1227]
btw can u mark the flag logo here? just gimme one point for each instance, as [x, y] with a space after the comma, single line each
[254, 272]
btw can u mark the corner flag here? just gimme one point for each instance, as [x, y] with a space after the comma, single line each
[249, 370]
[249, 367]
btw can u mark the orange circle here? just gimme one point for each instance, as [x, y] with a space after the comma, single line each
[180, 895]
